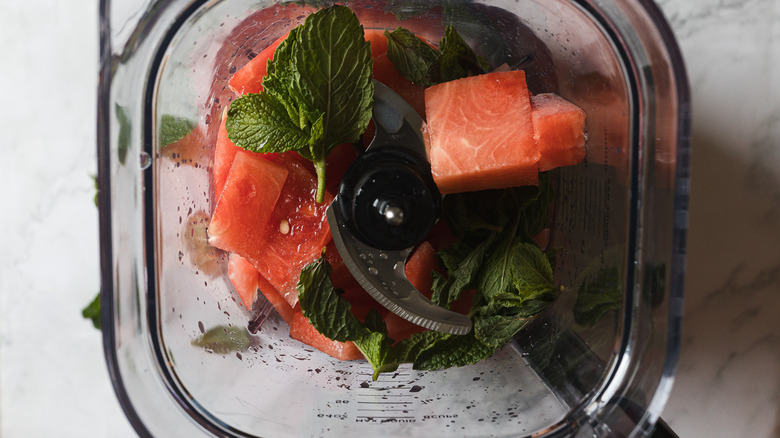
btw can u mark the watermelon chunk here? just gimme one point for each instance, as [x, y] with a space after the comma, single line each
[296, 232]
[250, 78]
[479, 133]
[253, 186]
[302, 330]
[419, 268]
[224, 153]
[559, 131]
[248, 281]
[376, 37]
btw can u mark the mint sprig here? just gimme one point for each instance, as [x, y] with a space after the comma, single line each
[317, 92]
[513, 277]
[425, 66]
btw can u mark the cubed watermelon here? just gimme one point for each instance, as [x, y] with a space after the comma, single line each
[296, 232]
[559, 131]
[252, 188]
[224, 153]
[248, 282]
[479, 133]
[376, 37]
[249, 79]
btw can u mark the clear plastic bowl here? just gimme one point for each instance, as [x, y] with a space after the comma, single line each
[619, 222]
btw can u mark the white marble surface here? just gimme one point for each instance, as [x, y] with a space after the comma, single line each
[53, 380]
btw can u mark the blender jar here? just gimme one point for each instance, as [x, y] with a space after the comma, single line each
[598, 362]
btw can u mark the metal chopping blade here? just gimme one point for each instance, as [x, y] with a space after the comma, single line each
[386, 205]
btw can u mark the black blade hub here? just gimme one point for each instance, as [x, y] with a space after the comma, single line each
[388, 198]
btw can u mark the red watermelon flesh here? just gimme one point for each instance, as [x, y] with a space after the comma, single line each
[296, 232]
[559, 131]
[479, 133]
[224, 153]
[378, 41]
[250, 78]
[248, 281]
[419, 267]
[253, 186]
[302, 330]
[244, 278]
[337, 163]
[189, 150]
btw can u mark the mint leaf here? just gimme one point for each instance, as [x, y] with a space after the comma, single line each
[462, 275]
[457, 59]
[452, 351]
[92, 312]
[325, 309]
[496, 274]
[531, 273]
[496, 330]
[411, 56]
[97, 189]
[408, 349]
[378, 349]
[536, 206]
[280, 74]
[173, 129]
[425, 66]
[259, 123]
[319, 82]
[597, 296]
[333, 65]
[225, 339]
[123, 139]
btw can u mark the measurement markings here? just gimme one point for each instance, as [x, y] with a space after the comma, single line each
[391, 417]
[405, 411]
[383, 403]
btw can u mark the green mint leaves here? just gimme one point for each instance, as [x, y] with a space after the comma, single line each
[174, 128]
[317, 94]
[598, 295]
[259, 123]
[425, 66]
[92, 312]
[498, 258]
[224, 339]
[457, 60]
[411, 56]
[322, 305]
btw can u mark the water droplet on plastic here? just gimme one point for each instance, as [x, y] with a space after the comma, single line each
[362, 256]
[373, 271]
[145, 160]
[383, 256]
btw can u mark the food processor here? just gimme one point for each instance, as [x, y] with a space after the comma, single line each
[599, 361]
